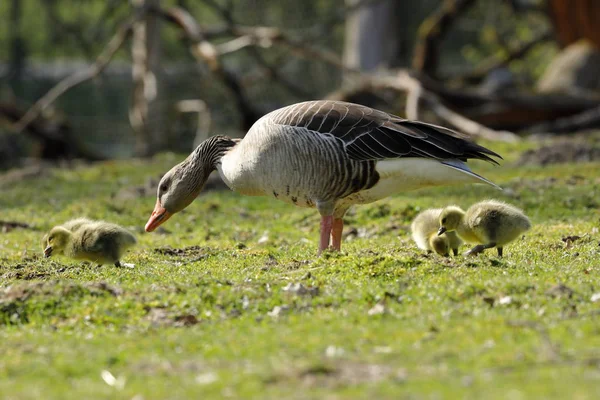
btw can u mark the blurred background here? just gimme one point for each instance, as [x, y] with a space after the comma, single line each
[101, 79]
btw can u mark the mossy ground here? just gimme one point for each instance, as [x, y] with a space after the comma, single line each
[214, 306]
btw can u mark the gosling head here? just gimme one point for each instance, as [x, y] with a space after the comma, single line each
[440, 245]
[56, 241]
[450, 219]
[176, 190]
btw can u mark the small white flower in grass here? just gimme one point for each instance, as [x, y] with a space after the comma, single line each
[595, 297]
[505, 300]
[297, 288]
[382, 349]
[277, 311]
[264, 238]
[110, 380]
[207, 378]
[377, 309]
[333, 351]
[300, 289]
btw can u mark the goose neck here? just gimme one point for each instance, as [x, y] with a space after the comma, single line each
[210, 152]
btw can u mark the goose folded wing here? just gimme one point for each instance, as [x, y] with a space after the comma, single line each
[369, 134]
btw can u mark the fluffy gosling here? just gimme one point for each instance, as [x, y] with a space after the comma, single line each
[424, 232]
[96, 241]
[489, 223]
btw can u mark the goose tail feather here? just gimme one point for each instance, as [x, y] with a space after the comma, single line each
[464, 168]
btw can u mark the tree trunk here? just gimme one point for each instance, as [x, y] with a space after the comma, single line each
[373, 36]
[17, 45]
[575, 19]
[144, 114]
[433, 31]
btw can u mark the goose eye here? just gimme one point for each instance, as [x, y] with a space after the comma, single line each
[164, 187]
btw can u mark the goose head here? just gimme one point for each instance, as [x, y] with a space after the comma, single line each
[184, 182]
[56, 241]
[450, 218]
[176, 190]
[440, 245]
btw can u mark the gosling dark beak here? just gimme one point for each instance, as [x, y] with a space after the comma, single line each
[48, 251]
[441, 231]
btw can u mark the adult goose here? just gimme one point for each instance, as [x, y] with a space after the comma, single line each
[324, 154]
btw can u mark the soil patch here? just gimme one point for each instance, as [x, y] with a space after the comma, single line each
[562, 151]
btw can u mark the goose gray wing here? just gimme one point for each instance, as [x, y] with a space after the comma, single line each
[370, 134]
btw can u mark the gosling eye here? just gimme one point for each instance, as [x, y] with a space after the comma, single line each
[443, 220]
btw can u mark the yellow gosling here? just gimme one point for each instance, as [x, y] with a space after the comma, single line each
[489, 223]
[424, 232]
[96, 241]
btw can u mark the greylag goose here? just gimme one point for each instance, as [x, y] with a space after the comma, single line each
[490, 223]
[425, 228]
[83, 239]
[327, 155]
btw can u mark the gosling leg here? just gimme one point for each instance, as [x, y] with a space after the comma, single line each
[455, 251]
[499, 251]
[479, 249]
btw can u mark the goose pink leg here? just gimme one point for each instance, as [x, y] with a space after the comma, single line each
[326, 225]
[336, 233]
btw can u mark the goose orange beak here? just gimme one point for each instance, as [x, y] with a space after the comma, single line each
[159, 215]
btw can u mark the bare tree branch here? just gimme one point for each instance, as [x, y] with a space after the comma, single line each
[489, 64]
[54, 135]
[145, 57]
[274, 74]
[204, 122]
[433, 30]
[585, 120]
[339, 16]
[413, 97]
[65, 30]
[82, 76]
[297, 46]
[405, 82]
[110, 8]
[205, 51]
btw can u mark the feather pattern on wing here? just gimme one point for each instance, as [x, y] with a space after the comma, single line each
[369, 134]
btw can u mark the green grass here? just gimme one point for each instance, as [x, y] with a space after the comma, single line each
[205, 313]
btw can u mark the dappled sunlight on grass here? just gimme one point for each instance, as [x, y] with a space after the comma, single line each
[229, 297]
